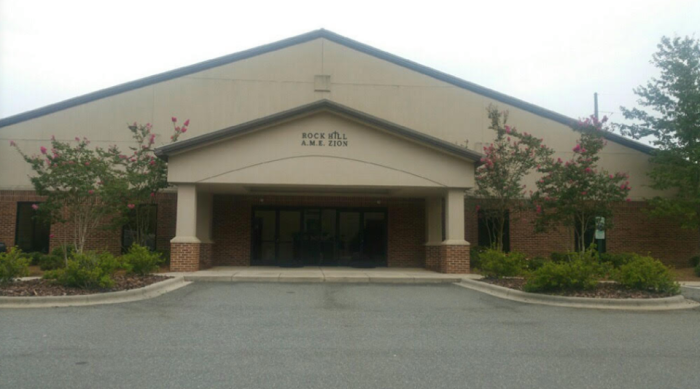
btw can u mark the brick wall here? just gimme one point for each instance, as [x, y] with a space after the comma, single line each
[184, 257]
[633, 231]
[454, 259]
[100, 238]
[233, 216]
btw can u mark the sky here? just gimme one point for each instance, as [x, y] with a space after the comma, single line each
[554, 54]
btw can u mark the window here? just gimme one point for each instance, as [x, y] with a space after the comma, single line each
[31, 233]
[595, 233]
[487, 228]
[149, 218]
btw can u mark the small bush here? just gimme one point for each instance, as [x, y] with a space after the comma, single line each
[646, 273]
[695, 261]
[34, 258]
[13, 264]
[697, 270]
[86, 271]
[497, 264]
[139, 260]
[51, 262]
[475, 256]
[616, 260]
[534, 263]
[581, 272]
[561, 257]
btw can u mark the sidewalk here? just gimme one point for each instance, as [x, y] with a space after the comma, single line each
[321, 274]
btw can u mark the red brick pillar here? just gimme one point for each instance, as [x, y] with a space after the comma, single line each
[432, 256]
[184, 257]
[454, 259]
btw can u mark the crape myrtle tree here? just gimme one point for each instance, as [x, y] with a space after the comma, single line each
[139, 178]
[71, 176]
[576, 193]
[499, 191]
[87, 188]
[669, 114]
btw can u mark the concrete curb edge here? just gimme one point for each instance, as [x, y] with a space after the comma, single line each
[665, 303]
[147, 292]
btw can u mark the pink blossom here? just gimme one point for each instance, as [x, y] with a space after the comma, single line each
[53, 137]
[77, 139]
[588, 170]
[187, 122]
[51, 236]
[611, 176]
[87, 163]
[131, 206]
[91, 191]
[153, 194]
[12, 143]
[152, 163]
[539, 209]
[174, 119]
[35, 207]
[507, 129]
[628, 199]
[43, 150]
[577, 148]
[477, 208]
[184, 130]
[583, 193]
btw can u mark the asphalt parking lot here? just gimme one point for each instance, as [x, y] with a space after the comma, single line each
[238, 335]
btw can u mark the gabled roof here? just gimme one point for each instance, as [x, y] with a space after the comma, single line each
[331, 36]
[307, 109]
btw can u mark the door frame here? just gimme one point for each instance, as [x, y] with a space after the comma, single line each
[301, 208]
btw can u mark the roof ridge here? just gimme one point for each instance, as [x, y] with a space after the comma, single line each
[298, 39]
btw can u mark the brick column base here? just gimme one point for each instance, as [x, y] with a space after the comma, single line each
[205, 255]
[454, 259]
[432, 257]
[184, 257]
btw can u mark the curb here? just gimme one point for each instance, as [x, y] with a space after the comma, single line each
[147, 292]
[691, 292]
[655, 304]
[373, 279]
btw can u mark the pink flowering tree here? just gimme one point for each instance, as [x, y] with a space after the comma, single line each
[576, 193]
[69, 174]
[86, 189]
[140, 176]
[499, 189]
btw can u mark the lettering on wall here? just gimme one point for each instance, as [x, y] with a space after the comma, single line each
[324, 139]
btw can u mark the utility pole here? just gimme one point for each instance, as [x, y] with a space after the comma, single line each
[595, 104]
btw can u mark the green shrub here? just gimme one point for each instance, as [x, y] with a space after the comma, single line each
[34, 258]
[86, 271]
[561, 257]
[51, 262]
[581, 272]
[646, 273]
[695, 261]
[13, 264]
[497, 264]
[59, 252]
[475, 256]
[140, 260]
[534, 263]
[617, 259]
[697, 270]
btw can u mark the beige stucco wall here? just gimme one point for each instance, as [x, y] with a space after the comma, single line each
[276, 156]
[284, 79]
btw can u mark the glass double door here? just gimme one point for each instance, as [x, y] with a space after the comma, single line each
[319, 237]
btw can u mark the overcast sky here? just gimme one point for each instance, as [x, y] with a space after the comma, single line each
[555, 54]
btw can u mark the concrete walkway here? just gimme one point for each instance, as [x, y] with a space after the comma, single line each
[322, 274]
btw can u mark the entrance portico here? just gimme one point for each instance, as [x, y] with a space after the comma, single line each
[365, 193]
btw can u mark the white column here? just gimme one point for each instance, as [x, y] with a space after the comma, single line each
[454, 217]
[433, 220]
[204, 216]
[186, 228]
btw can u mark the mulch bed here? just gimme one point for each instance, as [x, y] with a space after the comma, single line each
[42, 287]
[604, 290]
